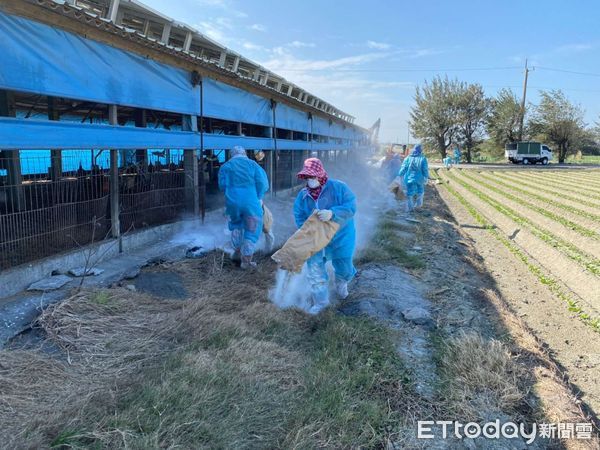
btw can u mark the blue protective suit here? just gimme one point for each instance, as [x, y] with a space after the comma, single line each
[337, 197]
[457, 155]
[415, 173]
[245, 184]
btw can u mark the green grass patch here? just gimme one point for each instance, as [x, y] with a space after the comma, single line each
[387, 245]
[584, 159]
[343, 387]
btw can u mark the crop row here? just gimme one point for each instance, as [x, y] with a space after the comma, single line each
[553, 284]
[545, 212]
[590, 263]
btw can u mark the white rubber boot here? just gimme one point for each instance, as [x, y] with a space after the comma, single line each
[341, 288]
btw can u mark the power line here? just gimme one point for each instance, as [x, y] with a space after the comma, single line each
[589, 74]
[471, 69]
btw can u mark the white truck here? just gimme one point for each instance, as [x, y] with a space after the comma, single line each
[528, 153]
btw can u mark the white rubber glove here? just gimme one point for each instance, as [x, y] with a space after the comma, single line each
[325, 215]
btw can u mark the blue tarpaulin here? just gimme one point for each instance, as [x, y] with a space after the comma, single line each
[37, 134]
[320, 125]
[41, 59]
[291, 119]
[230, 103]
[44, 60]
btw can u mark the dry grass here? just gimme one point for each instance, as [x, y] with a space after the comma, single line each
[479, 375]
[104, 338]
[225, 368]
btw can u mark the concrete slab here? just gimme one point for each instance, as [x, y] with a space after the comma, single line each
[82, 271]
[50, 284]
[167, 285]
[18, 314]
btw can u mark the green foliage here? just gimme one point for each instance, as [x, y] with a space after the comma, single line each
[503, 121]
[433, 119]
[472, 112]
[449, 112]
[560, 122]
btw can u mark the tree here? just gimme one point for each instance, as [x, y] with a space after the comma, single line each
[472, 111]
[433, 118]
[560, 122]
[504, 118]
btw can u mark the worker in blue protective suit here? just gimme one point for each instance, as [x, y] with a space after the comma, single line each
[414, 173]
[333, 200]
[457, 155]
[391, 164]
[245, 184]
[448, 162]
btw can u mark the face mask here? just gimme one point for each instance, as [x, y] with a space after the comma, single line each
[313, 183]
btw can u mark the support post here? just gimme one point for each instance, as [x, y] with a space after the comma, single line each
[236, 64]
[166, 34]
[275, 153]
[112, 10]
[269, 167]
[222, 59]
[12, 158]
[202, 168]
[522, 111]
[115, 220]
[56, 167]
[188, 41]
[292, 168]
[141, 154]
[190, 165]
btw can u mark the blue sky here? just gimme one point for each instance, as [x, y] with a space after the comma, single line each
[366, 57]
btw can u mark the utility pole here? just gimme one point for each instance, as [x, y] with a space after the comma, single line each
[523, 102]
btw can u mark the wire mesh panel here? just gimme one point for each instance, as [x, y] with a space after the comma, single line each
[298, 158]
[283, 168]
[49, 203]
[151, 197]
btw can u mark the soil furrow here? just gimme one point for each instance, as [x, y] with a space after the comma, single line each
[572, 344]
[547, 187]
[573, 225]
[572, 244]
[583, 283]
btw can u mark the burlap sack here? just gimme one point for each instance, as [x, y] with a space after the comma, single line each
[311, 238]
[267, 219]
[397, 189]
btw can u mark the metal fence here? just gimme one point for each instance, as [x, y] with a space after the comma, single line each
[42, 214]
[152, 197]
[53, 201]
